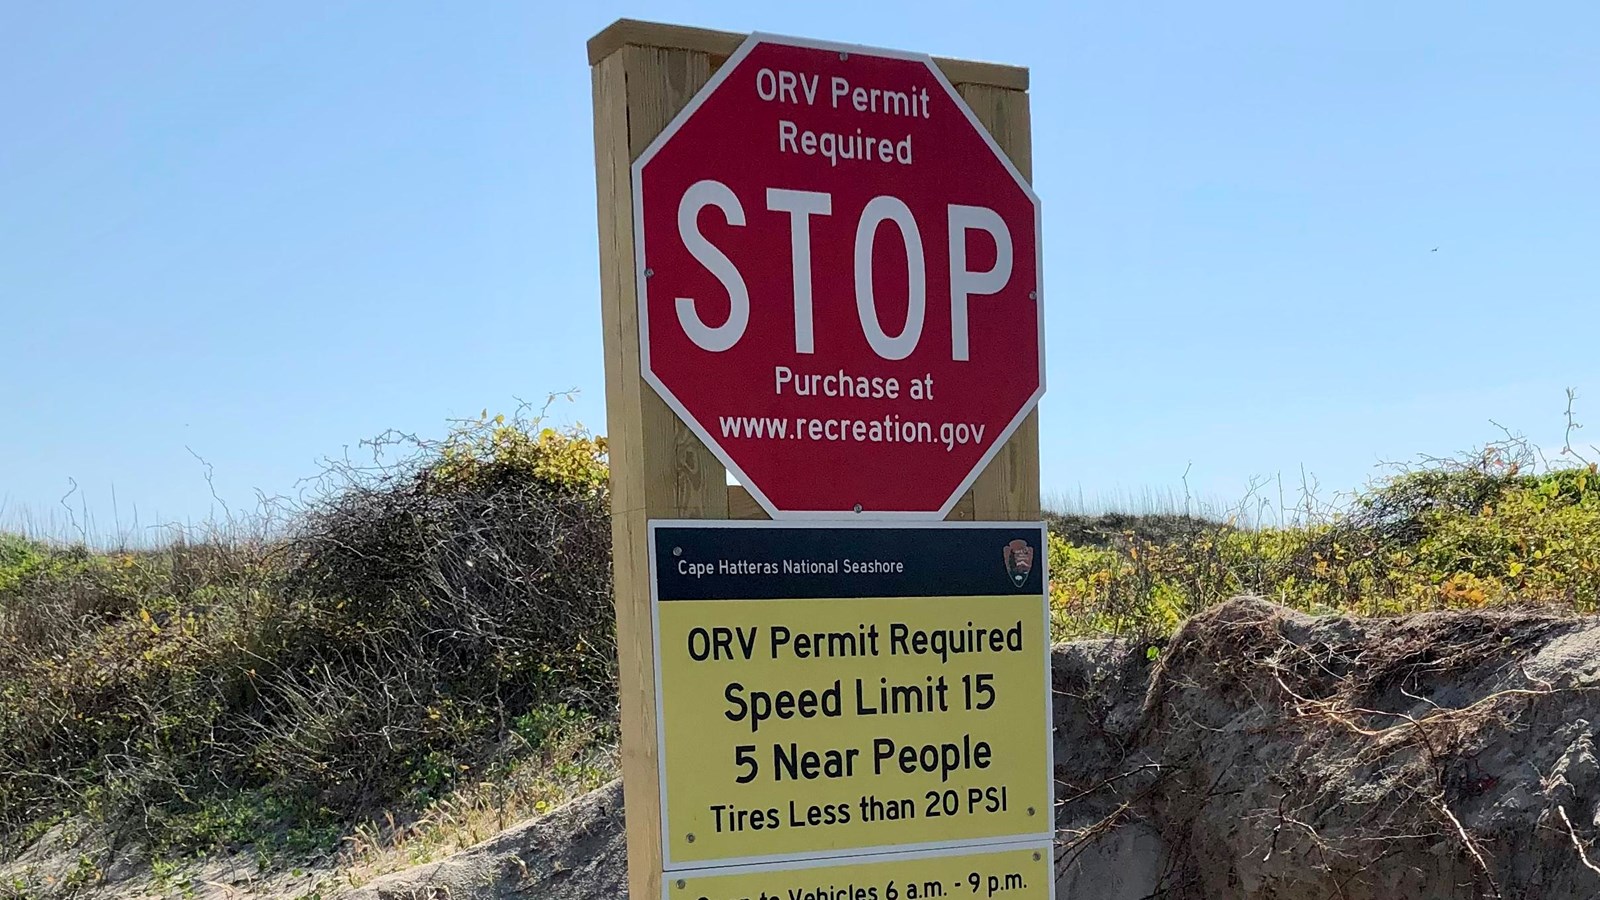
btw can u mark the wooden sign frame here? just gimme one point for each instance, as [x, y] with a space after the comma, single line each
[643, 73]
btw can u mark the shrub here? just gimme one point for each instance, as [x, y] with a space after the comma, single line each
[19, 558]
[474, 578]
[418, 625]
[1448, 536]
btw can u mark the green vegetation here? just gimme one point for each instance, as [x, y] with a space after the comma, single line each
[19, 560]
[432, 625]
[1450, 535]
[427, 655]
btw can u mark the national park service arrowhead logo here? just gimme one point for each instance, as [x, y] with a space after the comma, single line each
[1019, 561]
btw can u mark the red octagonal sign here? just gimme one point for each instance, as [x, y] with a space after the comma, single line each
[839, 279]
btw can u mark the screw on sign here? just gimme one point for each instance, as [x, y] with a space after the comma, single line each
[839, 279]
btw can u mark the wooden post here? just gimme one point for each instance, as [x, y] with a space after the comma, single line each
[643, 74]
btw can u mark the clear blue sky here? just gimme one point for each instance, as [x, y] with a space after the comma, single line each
[265, 231]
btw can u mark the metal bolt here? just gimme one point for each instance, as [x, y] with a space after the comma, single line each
[677, 551]
[649, 273]
[691, 837]
[843, 55]
[1030, 810]
[680, 880]
[1033, 295]
[858, 507]
[1035, 859]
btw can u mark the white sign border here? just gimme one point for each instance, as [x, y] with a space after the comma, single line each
[653, 526]
[642, 280]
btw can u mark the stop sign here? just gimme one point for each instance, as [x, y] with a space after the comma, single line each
[838, 277]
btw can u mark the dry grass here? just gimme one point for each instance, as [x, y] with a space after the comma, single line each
[564, 769]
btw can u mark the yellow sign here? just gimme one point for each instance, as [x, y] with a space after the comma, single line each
[806, 710]
[1013, 874]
